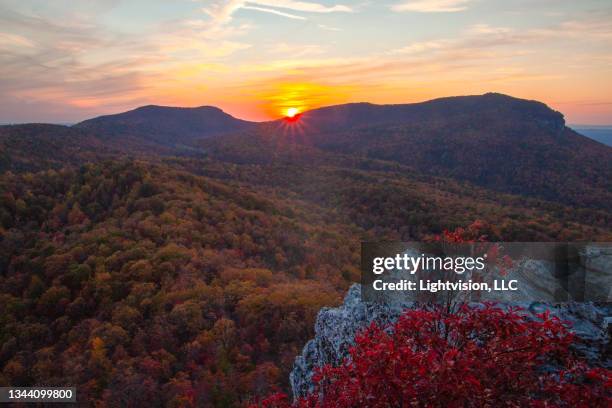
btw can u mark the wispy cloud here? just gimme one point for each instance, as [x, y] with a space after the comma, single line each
[329, 28]
[303, 6]
[480, 37]
[272, 11]
[222, 12]
[81, 64]
[486, 29]
[422, 46]
[14, 40]
[296, 50]
[432, 6]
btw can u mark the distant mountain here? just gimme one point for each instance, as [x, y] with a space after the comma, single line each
[603, 134]
[168, 126]
[354, 115]
[495, 141]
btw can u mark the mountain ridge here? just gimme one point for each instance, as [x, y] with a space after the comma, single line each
[492, 96]
[365, 113]
[495, 141]
[173, 125]
[166, 125]
[354, 108]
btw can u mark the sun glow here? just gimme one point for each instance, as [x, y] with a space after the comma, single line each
[291, 112]
[291, 99]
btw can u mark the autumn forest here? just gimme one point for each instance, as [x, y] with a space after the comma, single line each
[186, 267]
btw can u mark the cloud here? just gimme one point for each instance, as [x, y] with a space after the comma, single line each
[329, 28]
[422, 46]
[14, 40]
[222, 12]
[481, 55]
[481, 37]
[84, 66]
[272, 11]
[296, 50]
[302, 6]
[479, 29]
[432, 6]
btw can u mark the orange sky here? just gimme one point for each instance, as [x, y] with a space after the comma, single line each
[65, 61]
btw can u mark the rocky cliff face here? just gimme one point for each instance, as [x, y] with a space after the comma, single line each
[335, 330]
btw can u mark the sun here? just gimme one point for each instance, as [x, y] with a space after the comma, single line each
[291, 112]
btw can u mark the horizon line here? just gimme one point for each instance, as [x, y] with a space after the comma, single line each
[72, 123]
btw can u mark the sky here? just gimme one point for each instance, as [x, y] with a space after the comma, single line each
[63, 61]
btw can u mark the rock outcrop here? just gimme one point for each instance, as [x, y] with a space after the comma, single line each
[335, 330]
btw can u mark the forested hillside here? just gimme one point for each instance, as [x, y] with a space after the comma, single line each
[122, 275]
[494, 141]
[33, 147]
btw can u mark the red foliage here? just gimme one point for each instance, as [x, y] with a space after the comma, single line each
[475, 232]
[473, 358]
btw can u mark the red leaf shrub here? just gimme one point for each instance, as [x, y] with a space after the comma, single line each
[472, 358]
